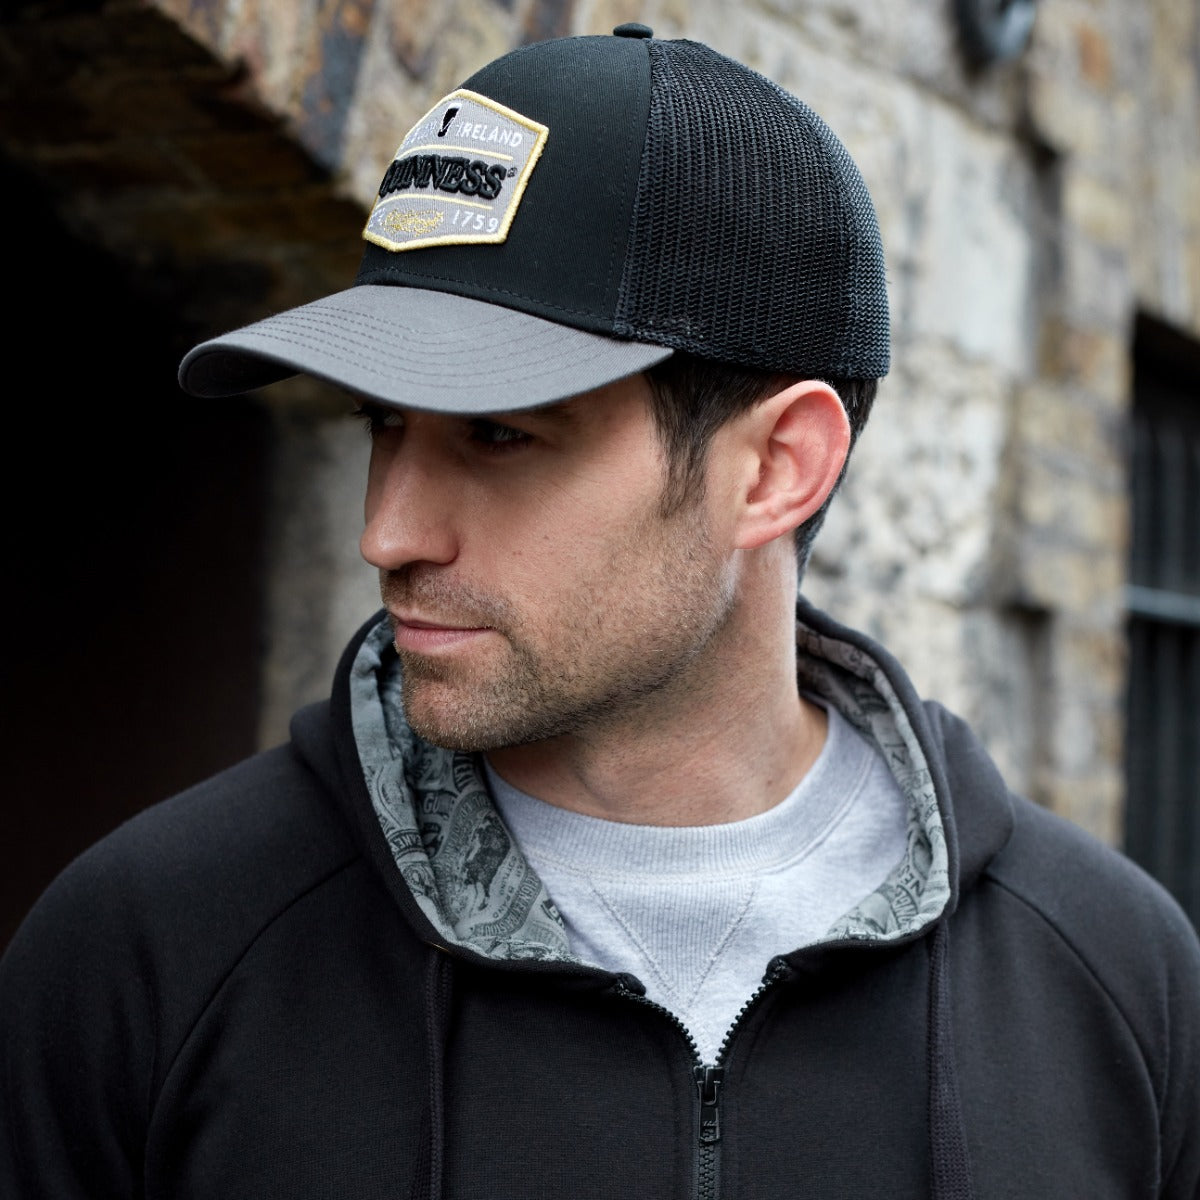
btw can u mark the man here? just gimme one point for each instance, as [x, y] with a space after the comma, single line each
[610, 868]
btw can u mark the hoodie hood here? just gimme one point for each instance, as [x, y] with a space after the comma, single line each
[462, 867]
[473, 886]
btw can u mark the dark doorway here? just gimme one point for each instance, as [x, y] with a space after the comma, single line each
[134, 527]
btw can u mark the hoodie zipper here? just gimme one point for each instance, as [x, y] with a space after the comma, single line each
[708, 1079]
[708, 1149]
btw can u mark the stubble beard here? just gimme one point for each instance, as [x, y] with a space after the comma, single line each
[618, 646]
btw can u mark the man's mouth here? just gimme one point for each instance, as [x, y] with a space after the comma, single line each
[423, 635]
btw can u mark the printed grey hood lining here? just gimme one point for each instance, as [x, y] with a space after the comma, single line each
[470, 878]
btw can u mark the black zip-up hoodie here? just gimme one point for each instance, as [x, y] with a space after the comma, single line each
[327, 972]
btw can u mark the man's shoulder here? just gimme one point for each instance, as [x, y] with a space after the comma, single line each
[1072, 876]
[268, 810]
[1121, 924]
[1062, 875]
[196, 876]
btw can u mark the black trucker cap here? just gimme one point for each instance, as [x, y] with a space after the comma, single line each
[576, 211]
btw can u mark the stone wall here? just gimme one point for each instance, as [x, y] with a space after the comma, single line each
[1029, 210]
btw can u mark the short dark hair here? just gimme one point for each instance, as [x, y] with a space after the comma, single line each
[692, 397]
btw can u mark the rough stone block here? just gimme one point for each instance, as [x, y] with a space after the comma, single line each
[1095, 56]
[546, 19]
[1072, 122]
[1099, 210]
[272, 41]
[1173, 51]
[1097, 283]
[1059, 491]
[413, 30]
[1091, 661]
[396, 88]
[1096, 361]
[604, 15]
[918, 505]
[1066, 577]
[329, 76]
[1074, 435]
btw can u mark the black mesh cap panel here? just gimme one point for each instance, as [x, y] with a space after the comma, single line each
[754, 239]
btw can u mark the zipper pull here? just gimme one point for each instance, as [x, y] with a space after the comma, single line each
[708, 1084]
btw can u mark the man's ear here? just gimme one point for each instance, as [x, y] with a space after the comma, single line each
[796, 442]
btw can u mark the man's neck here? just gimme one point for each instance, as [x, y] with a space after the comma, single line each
[729, 742]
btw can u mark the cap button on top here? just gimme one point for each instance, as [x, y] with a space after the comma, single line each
[634, 30]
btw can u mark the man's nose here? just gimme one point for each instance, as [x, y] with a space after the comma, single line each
[411, 511]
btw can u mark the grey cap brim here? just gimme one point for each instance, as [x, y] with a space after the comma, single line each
[417, 348]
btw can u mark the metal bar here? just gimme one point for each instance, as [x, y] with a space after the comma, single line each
[1173, 512]
[1142, 556]
[1188, 891]
[1168, 679]
[1157, 604]
[1140, 783]
[1191, 506]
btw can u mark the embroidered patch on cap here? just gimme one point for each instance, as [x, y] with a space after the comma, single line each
[457, 177]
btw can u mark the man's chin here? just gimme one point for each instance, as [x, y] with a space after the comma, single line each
[435, 710]
[445, 716]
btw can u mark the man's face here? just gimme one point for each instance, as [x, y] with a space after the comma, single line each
[535, 587]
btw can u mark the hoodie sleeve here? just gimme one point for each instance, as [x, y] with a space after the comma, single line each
[119, 958]
[76, 1044]
[1141, 949]
[1181, 1085]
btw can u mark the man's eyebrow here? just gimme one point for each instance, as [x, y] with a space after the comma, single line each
[561, 412]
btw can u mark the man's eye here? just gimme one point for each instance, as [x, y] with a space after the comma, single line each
[378, 417]
[494, 435]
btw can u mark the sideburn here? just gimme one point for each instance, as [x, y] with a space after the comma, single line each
[690, 400]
